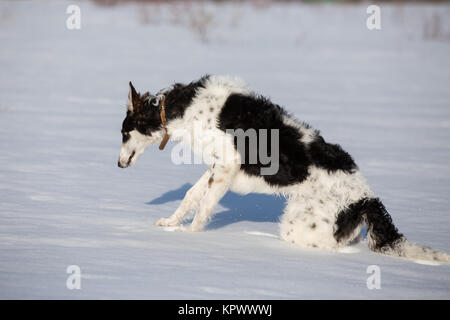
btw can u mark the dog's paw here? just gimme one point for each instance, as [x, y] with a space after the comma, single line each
[167, 222]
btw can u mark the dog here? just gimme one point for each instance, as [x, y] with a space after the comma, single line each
[328, 198]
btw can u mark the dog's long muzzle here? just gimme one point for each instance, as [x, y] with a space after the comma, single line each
[124, 164]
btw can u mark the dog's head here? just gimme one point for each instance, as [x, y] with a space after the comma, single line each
[140, 128]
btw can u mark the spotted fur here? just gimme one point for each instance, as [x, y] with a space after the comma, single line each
[328, 199]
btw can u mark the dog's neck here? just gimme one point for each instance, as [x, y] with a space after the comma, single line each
[177, 98]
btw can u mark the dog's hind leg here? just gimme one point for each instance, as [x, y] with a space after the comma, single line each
[189, 203]
[320, 211]
[307, 223]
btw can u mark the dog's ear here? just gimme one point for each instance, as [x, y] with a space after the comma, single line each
[133, 98]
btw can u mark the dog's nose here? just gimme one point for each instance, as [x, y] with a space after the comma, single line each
[120, 165]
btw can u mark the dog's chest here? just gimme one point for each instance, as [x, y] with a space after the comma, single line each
[245, 184]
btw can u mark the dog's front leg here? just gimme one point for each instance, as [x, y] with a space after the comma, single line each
[190, 202]
[218, 184]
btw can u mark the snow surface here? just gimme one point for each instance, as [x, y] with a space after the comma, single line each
[383, 95]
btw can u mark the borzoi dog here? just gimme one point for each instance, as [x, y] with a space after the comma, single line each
[328, 199]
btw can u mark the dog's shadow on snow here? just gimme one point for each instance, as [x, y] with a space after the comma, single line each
[251, 207]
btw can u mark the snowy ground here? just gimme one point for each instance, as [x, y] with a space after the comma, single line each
[383, 95]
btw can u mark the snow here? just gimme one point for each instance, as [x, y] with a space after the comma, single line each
[383, 95]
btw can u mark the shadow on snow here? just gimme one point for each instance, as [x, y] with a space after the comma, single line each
[250, 207]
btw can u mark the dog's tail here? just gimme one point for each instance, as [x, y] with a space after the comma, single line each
[383, 236]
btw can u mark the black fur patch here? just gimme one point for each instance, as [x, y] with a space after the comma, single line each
[348, 220]
[145, 116]
[256, 112]
[330, 156]
[181, 96]
[373, 212]
[210, 180]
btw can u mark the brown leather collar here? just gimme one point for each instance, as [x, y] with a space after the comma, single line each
[162, 114]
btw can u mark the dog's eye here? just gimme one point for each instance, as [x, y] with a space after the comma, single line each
[125, 136]
[156, 101]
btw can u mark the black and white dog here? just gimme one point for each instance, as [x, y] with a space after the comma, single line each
[328, 199]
